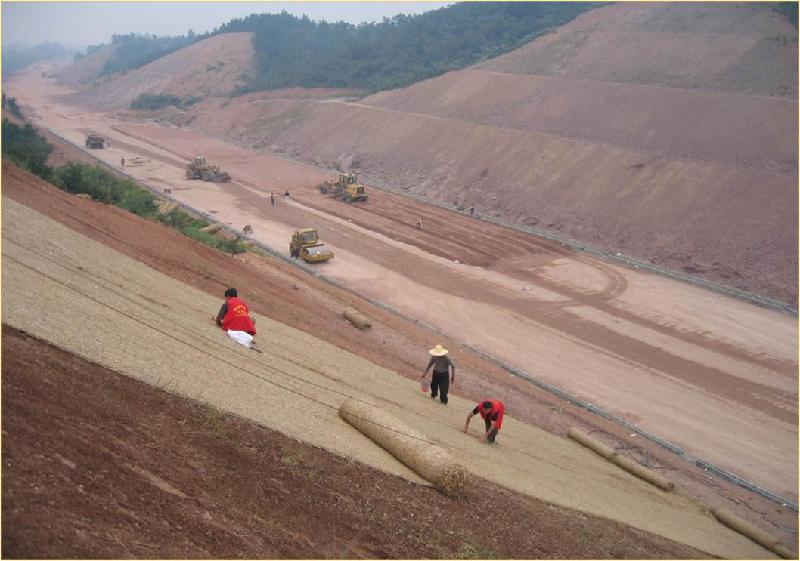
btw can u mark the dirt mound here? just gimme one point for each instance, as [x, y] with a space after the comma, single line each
[212, 67]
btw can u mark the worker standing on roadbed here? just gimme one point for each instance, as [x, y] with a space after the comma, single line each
[444, 372]
[419, 223]
[272, 198]
[122, 161]
[234, 318]
[492, 411]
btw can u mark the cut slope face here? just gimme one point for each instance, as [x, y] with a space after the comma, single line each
[289, 295]
[86, 69]
[735, 48]
[162, 335]
[196, 464]
[687, 159]
[212, 67]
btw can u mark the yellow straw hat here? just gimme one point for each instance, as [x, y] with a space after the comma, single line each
[438, 350]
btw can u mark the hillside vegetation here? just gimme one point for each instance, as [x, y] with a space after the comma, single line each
[15, 58]
[299, 52]
[26, 148]
[133, 51]
[395, 52]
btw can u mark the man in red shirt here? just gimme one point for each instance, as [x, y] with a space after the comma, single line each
[492, 411]
[234, 318]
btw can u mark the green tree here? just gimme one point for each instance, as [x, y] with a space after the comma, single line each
[26, 148]
[397, 51]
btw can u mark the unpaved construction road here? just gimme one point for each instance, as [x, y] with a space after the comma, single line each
[714, 375]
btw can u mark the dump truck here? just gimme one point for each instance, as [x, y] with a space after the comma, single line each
[346, 188]
[198, 168]
[95, 141]
[305, 245]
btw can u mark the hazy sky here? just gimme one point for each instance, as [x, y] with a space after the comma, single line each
[91, 23]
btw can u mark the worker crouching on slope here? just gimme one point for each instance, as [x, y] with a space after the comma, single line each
[444, 372]
[492, 411]
[234, 318]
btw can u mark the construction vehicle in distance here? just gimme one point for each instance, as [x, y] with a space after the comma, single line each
[346, 188]
[95, 141]
[200, 169]
[305, 244]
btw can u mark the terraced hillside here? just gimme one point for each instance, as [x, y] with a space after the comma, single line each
[663, 131]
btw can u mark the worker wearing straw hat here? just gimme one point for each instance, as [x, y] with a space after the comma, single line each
[492, 411]
[444, 372]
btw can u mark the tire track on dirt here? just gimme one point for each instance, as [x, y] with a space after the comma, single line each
[493, 242]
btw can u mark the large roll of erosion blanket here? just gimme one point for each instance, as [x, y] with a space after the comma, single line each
[412, 448]
[595, 445]
[756, 534]
[629, 465]
[357, 318]
[212, 228]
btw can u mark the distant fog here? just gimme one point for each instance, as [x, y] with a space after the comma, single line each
[76, 25]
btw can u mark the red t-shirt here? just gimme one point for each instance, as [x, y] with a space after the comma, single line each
[496, 413]
[237, 317]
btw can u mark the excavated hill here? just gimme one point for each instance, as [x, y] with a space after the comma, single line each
[85, 70]
[733, 47]
[664, 131]
[212, 67]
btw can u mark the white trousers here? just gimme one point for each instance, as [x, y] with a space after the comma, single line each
[241, 337]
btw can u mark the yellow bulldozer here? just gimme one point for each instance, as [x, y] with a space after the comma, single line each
[305, 245]
[346, 188]
[200, 169]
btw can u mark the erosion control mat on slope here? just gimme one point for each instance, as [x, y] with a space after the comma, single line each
[756, 534]
[161, 335]
[407, 445]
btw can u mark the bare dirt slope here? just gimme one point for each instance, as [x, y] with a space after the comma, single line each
[724, 47]
[97, 465]
[85, 70]
[663, 131]
[671, 358]
[286, 294]
[163, 336]
[212, 67]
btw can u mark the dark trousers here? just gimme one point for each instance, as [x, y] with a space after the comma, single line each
[493, 434]
[440, 383]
